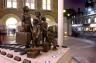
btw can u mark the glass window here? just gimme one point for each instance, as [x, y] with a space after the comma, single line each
[46, 4]
[11, 3]
[89, 20]
[30, 4]
[95, 20]
[72, 22]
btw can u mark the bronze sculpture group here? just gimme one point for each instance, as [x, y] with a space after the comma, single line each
[38, 33]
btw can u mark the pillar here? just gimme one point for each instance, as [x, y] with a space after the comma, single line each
[60, 22]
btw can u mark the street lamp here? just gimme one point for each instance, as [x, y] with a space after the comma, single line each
[89, 9]
[68, 14]
[64, 11]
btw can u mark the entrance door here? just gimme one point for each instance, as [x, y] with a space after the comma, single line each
[11, 27]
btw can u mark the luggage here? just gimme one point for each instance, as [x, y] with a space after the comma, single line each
[33, 54]
[23, 38]
[46, 46]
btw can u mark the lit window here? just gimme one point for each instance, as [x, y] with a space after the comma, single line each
[30, 4]
[89, 20]
[11, 3]
[72, 22]
[95, 20]
[85, 21]
[74, 16]
[46, 4]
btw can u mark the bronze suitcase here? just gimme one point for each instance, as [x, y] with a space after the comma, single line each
[46, 46]
[23, 38]
[33, 54]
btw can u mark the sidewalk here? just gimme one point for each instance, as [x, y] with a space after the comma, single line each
[82, 50]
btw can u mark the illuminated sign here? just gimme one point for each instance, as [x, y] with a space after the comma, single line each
[92, 25]
[76, 25]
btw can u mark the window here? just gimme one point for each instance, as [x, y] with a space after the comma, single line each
[89, 20]
[74, 16]
[11, 3]
[30, 4]
[46, 4]
[95, 20]
[72, 22]
[85, 21]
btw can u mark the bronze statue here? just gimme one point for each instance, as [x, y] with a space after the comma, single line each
[36, 33]
[26, 22]
[37, 14]
[50, 37]
[44, 26]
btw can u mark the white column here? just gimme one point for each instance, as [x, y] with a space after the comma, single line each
[60, 22]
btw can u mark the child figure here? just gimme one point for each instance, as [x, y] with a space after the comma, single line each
[44, 26]
[36, 33]
[50, 37]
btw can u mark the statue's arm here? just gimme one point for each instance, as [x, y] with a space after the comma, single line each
[38, 30]
[22, 20]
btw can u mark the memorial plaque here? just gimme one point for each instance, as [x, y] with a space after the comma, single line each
[3, 53]
[17, 58]
[26, 61]
[10, 55]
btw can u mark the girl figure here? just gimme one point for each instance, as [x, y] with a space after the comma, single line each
[26, 22]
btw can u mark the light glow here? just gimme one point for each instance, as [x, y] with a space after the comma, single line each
[64, 10]
[10, 23]
[89, 9]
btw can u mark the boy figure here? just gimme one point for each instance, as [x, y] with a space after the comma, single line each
[50, 37]
[36, 33]
[44, 26]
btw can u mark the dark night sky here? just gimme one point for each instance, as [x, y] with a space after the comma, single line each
[75, 4]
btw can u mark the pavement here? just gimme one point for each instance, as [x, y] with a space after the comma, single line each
[82, 50]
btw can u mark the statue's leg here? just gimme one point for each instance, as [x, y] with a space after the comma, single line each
[54, 43]
[43, 37]
[37, 42]
[33, 42]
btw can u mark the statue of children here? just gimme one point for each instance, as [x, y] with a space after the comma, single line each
[44, 26]
[50, 37]
[36, 33]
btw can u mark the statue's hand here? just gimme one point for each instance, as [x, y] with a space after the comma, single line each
[36, 36]
[22, 29]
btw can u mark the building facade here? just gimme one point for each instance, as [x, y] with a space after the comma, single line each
[86, 20]
[11, 10]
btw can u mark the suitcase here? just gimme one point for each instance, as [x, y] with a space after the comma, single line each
[23, 38]
[46, 46]
[33, 54]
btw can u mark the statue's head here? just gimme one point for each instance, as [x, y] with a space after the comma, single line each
[37, 14]
[35, 21]
[25, 8]
[50, 28]
[43, 18]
